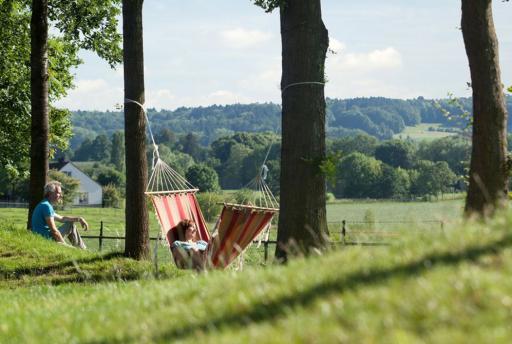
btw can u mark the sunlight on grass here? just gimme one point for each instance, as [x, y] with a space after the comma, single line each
[443, 287]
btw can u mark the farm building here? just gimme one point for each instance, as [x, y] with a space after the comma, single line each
[89, 191]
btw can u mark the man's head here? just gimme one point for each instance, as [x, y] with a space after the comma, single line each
[53, 191]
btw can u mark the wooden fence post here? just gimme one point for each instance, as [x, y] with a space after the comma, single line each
[343, 230]
[101, 236]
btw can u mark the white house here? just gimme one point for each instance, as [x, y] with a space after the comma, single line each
[89, 192]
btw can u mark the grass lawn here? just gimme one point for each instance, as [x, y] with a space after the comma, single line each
[450, 288]
[387, 215]
[421, 132]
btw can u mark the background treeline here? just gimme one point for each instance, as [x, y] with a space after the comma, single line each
[223, 147]
[359, 166]
[376, 116]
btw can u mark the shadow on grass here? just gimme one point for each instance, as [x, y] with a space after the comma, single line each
[280, 307]
[42, 270]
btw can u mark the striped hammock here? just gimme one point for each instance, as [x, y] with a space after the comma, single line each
[174, 200]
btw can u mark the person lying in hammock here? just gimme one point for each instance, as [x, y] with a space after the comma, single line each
[189, 252]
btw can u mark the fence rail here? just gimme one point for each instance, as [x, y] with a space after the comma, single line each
[344, 234]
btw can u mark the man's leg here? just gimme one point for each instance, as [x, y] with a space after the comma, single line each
[69, 230]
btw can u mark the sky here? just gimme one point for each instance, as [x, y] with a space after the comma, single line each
[205, 52]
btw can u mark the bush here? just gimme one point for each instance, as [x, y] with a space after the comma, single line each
[210, 204]
[329, 197]
[111, 196]
[203, 177]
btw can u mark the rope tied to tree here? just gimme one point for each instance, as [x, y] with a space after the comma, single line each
[156, 155]
[302, 83]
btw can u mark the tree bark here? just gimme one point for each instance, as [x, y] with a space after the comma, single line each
[488, 172]
[39, 101]
[136, 214]
[302, 217]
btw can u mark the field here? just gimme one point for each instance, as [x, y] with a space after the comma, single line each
[457, 287]
[366, 222]
[421, 132]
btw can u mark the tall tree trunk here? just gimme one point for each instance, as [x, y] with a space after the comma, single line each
[488, 170]
[39, 101]
[136, 214]
[302, 217]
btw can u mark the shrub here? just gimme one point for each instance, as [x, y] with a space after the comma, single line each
[111, 196]
[211, 204]
[329, 197]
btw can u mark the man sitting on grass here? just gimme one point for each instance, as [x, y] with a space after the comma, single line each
[44, 217]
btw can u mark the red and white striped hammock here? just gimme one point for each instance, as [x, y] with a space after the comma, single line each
[174, 199]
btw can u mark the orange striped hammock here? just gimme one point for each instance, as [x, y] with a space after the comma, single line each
[237, 227]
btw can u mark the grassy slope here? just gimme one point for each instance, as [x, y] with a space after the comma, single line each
[421, 132]
[454, 287]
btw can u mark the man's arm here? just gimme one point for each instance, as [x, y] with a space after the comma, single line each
[65, 219]
[53, 230]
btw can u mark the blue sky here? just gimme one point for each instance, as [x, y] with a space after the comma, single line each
[203, 52]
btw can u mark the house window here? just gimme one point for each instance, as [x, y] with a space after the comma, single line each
[83, 198]
[67, 173]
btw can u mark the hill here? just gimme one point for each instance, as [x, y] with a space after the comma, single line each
[453, 287]
[377, 116]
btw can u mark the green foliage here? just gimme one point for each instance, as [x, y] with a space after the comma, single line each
[179, 161]
[15, 85]
[395, 183]
[457, 110]
[98, 149]
[106, 175]
[210, 204]
[269, 5]
[369, 219]
[328, 167]
[211, 123]
[117, 154]
[111, 196]
[362, 143]
[359, 175]
[90, 25]
[454, 150]
[431, 179]
[396, 153]
[203, 177]
[69, 186]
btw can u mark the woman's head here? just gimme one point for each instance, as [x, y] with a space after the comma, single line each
[189, 229]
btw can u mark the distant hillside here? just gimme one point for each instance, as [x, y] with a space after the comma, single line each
[377, 116]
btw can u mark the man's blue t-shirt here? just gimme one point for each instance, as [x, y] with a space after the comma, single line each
[43, 210]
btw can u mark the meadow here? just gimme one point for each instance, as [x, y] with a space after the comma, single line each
[423, 131]
[367, 222]
[457, 287]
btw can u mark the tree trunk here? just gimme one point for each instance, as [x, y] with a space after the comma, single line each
[39, 102]
[302, 217]
[136, 214]
[488, 169]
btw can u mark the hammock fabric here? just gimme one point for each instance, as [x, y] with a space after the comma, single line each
[172, 208]
[238, 227]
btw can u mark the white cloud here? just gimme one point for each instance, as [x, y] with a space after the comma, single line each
[160, 99]
[241, 38]
[378, 59]
[95, 94]
[336, 46]
[225, 97]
